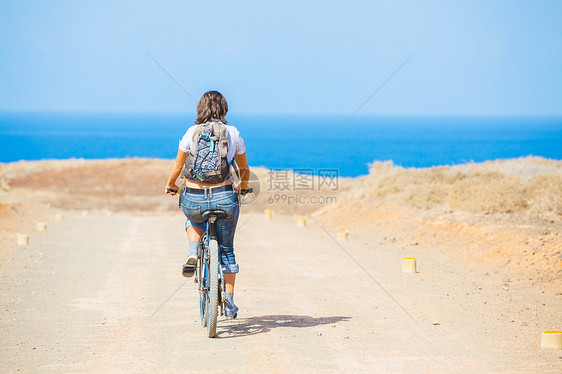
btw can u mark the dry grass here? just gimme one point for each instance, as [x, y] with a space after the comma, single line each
[526, 185]
[457, 211]
[504, 212]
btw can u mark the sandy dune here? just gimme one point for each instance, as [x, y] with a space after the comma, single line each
[101, 290]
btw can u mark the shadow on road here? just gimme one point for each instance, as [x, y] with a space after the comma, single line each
[259, 325]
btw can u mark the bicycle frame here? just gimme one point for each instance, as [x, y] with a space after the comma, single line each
[206, 280]
[209, 234]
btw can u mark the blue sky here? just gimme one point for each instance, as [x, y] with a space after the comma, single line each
[473, 58]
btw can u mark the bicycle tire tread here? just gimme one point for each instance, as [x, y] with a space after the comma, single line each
[212, 310]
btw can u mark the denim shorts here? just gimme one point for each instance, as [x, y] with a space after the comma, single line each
[194, 204]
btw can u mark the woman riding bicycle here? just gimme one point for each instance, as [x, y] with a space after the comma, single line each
[199, 195]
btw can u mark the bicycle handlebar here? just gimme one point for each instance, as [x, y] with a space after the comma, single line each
[246, 191]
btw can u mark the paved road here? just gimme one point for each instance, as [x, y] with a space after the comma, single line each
[104, 293]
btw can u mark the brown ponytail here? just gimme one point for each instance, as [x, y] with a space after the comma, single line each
[212, 105]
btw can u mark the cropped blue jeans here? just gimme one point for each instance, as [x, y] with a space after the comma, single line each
[194, 204]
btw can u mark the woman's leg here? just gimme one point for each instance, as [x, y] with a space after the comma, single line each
[192, 205]
[194, 233]
[229, 279]
[225, 229]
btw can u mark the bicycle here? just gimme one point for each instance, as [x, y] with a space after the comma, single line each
[208, 274]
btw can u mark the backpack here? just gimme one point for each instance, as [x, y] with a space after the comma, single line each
[207, 161]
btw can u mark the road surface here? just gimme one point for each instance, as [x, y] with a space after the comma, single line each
[103, 293]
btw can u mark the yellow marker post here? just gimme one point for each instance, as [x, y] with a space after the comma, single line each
[22, 239]
[342, 235]
[301, 222]
[409, 265]
[41, 226]
[551, 340]
[268, 213]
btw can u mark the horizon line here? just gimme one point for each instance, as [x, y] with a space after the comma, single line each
[192, 113]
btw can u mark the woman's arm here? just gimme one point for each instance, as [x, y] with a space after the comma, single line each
[244, 170]
[180, 161]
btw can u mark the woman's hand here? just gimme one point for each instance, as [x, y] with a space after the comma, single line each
[172, 190]
[171, 187]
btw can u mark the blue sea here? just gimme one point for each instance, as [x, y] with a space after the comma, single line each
[286, 141]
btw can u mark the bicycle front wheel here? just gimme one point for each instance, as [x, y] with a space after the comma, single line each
[213, 294]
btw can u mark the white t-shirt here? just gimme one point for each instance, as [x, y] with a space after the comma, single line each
[235, 142]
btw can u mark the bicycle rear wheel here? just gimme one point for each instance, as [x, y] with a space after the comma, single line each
[213, 293]
[202, 280]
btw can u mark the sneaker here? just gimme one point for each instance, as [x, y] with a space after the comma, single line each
[190, 265]
[230, 309]
[228, 314]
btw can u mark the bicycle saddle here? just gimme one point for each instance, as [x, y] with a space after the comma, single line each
[219, 213]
